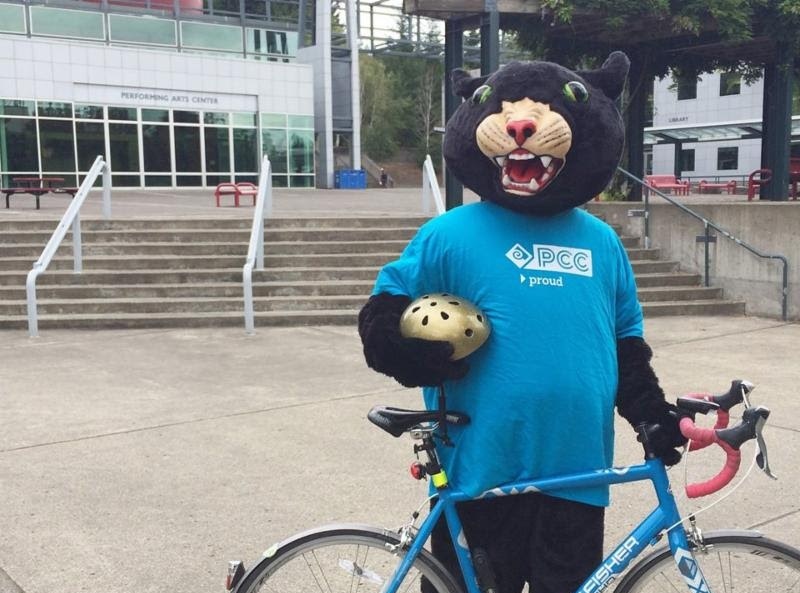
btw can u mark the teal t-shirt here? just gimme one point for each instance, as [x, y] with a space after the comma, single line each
[558, 291]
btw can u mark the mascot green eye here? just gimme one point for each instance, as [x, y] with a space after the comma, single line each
[575, 91]
[481, 93]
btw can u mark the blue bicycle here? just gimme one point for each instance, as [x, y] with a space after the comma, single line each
[356, 558]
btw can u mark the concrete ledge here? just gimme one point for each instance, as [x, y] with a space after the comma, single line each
[769, 227]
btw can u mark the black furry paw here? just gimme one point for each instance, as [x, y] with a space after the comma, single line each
[412, 362]
[666, 438]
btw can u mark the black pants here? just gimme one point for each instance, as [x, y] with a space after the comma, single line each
[551, 543]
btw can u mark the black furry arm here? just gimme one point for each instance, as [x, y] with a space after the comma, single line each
[411, 361]
[641, 399]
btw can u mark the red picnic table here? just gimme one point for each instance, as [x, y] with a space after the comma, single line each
[36, 187]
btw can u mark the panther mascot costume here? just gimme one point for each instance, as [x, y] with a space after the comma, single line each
[534, 140]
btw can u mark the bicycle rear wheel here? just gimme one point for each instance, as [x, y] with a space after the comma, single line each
[341, 559]
[742, 562]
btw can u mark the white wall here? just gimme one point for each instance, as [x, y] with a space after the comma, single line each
[59, 70]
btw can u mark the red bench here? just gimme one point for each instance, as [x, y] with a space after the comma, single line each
[237, 190]
[669, 182]
[729, 186]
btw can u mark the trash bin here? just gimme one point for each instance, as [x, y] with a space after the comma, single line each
[361, 179]
[337, 179]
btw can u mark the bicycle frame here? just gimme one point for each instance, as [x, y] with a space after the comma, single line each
[664, 517]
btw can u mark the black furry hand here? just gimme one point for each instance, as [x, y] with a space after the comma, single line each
[641, 400]
[667, 438]
[412, 362]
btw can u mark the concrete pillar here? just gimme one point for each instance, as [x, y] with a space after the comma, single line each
[453, 58]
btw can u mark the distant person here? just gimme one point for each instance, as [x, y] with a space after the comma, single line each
[383, 177]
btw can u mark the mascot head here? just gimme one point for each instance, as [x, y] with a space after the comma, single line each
[536, 137]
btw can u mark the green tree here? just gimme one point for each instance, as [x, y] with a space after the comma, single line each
[379, 120]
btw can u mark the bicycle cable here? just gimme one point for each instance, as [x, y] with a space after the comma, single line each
[685, 456]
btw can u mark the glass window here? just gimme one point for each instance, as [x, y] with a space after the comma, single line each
[82, 24]
[187, 149]
[218, 159]
[91, 140]
[186, 117]
[730, 83]
[58, 145]
[687, 88]
[206, 36]
[245, 151]
[301, 159]
[687, 159]
[155, 146]
[18, 147]
[88, 111]
[302, 181]
[275, 146]
[125, 181]
[301, 121]
[230, 7]
[216, 118]
[155, 115]
[53, 109]
[158, 181]
[217, 179]
[12, 18]
[124, 147]
[261, 41]
[244, 120]
[280, 181]
[189, 180]
[273, 120]
[16, 107]
[142, 29]
[122, 113]
[728, 158]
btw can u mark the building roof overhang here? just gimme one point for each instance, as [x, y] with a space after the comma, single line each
[732, 130]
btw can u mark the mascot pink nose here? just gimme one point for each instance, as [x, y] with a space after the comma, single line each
[521, 129]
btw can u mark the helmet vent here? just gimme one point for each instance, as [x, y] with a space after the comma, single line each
[479, 318]
[415, 309]
[434, 303]
[445, 316]
[455, 303]
[468, 333]
[425, 320]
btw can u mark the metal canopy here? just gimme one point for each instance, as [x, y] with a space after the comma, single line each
[738, 130]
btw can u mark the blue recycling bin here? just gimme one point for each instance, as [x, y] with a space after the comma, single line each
[361, 179]
[337, 179]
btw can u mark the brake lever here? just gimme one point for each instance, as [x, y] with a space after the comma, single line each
[761, 458]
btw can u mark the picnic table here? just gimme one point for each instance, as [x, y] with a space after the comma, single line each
[36, 187]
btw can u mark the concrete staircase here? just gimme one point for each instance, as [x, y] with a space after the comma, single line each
[188, 273]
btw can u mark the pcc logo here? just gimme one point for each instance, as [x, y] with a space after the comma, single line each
[552, 258]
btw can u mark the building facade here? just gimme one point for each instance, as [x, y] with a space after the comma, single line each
[176, 93]
[708, 127]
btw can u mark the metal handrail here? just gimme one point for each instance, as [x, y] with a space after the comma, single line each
[430, 187]
[71, 218]
[707, 226]
[255, 251]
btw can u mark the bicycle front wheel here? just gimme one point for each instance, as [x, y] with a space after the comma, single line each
[742, 562]
[342, 559]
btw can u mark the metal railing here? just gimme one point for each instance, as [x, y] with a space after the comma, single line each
[707, 237]
[255, 251]
[430, 188]
[72, 219]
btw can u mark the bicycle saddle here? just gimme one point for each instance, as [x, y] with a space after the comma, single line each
[396, 421]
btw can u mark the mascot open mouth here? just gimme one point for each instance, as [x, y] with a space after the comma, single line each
[525, 173]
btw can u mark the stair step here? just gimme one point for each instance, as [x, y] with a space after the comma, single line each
[697, 307]
[156, 320]
[181, 272]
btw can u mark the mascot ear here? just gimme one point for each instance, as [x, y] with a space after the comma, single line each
[463, 84]
[610, 78]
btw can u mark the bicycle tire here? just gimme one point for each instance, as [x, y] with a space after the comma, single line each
[341, 559]
[744, 562]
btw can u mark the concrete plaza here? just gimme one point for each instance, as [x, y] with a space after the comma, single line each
[141, 461]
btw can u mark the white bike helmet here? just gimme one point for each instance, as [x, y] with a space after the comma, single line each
[447, 318]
